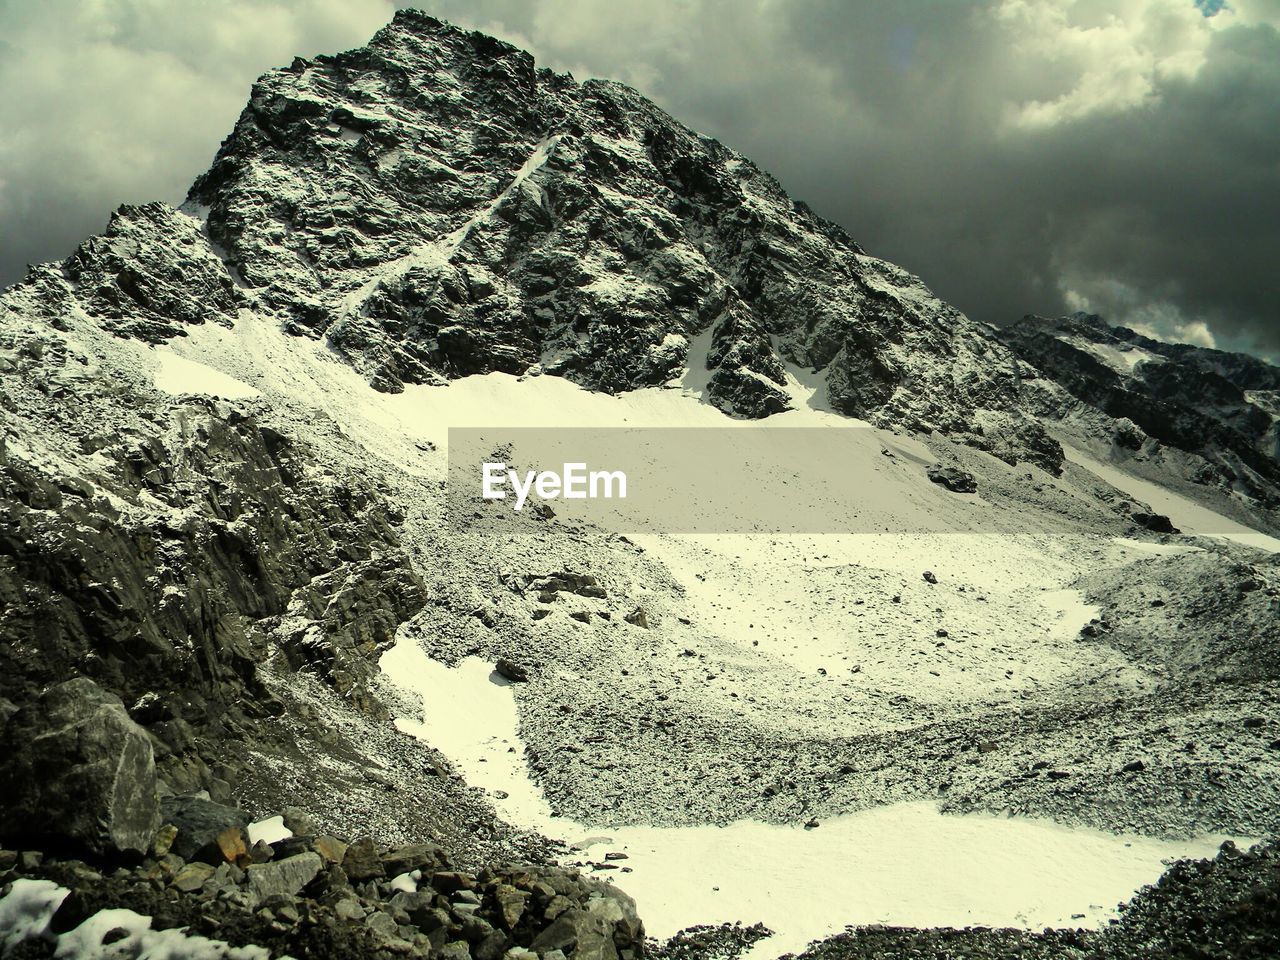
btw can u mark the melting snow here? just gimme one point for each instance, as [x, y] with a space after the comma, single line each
[903, 864]
[25, 913]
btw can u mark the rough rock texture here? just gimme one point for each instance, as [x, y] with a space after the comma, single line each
[433, 205]
[1223, 408]
[296, 903]
[199, 823]
[76, 768]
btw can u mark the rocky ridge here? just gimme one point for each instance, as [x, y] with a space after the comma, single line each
[1221, 410]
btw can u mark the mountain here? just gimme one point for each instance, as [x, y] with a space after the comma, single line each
[1221, 408]
[232, 585]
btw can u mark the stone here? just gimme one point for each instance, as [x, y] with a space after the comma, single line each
[261, 852]
[233, 844]
[348, 908]
[414, 856]
[448, 881]
[163, 841]
[361, 861]
[77, 768]
[192, 877]
[511, 904]
[75, 909]
[953, 479]
[638, 618]
[509, 670]
[298, 822]
[200, 823]
[492, 947]
[1155, 522]
[383, 925]
[455, 950]
[330, 848]
[281, 877]
[930, 577]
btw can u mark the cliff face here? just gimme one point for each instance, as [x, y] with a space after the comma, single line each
[432, 206]
[1223, 408]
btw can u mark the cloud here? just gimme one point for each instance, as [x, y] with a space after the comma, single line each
[1020, 155]
[112, 101]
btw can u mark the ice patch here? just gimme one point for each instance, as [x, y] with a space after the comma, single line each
[270, 830]
[904, 864]
[178, 375]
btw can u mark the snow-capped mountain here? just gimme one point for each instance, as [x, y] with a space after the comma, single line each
[1049, 588]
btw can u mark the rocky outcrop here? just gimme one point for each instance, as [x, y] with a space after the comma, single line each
[1223, 408]
[77, 770]
[953, 478]
[197, 825]
[433, 205]
[167, 549]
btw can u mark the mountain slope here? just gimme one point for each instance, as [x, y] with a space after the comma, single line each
[225, 468]
[1222, 409]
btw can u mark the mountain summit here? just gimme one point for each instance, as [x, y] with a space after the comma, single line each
[433, 206]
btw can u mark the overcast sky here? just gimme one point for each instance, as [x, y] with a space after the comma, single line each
[1022, 156]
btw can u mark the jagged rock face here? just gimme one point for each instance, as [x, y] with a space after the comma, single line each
[435, 206]
[166, 549]
[1223, 407]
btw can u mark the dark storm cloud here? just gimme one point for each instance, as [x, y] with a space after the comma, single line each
[1020, 155]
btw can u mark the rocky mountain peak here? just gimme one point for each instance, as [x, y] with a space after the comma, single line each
[433, 205]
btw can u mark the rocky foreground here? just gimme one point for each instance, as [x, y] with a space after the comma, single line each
[317, 896]
[307, 896]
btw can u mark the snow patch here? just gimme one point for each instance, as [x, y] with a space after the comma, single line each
[1187, 515]
[25, 913]
[178, 375]
[904, 864]
[270, 830]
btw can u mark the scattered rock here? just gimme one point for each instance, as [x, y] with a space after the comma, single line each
[200, 823]
[361, 861]
[512, 671]
[281, 877]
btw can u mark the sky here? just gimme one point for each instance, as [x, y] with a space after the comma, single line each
[1021, 156]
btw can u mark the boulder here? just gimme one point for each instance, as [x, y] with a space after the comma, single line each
[361, 861]
[606, 927]
[954, 479]
[200, 823]
[281, 877]
[78, 770]
[1155, 522]
[509, 670]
